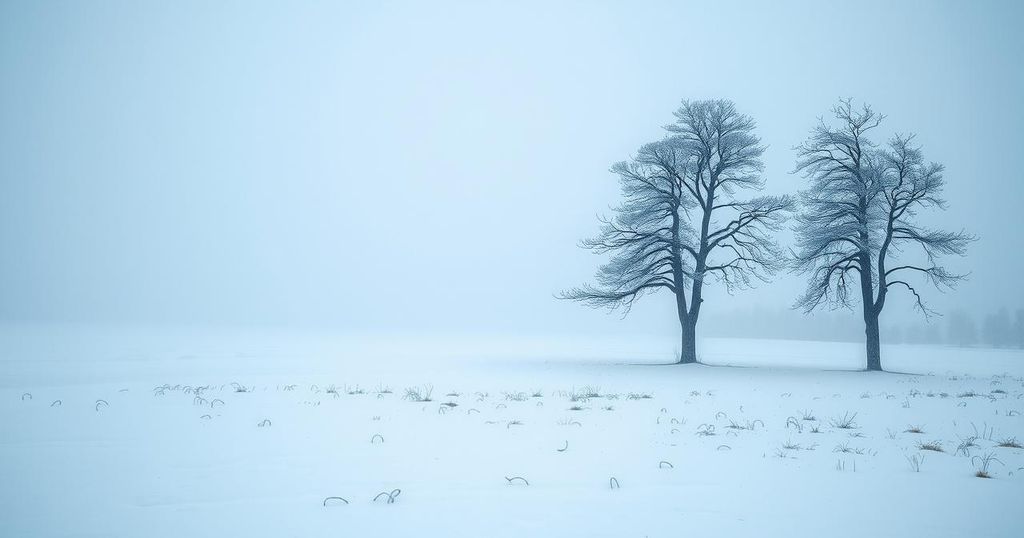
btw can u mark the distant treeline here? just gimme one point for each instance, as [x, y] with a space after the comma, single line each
[999, 329]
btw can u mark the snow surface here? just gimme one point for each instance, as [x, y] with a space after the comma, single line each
[158, 460]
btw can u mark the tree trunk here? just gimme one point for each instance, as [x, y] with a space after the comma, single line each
[873, 344]
[868, 304]
[688, 351]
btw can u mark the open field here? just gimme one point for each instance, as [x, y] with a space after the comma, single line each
[160, 442]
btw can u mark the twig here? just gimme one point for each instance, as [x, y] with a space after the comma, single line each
[391, 495]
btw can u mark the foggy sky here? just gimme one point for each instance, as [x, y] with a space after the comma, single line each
[387, 165]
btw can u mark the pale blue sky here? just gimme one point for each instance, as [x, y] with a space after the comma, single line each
[432, 165]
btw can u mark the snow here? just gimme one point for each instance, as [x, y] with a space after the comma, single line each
[150, 464]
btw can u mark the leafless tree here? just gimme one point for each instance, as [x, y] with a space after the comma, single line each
[681, 220]
[857, 219]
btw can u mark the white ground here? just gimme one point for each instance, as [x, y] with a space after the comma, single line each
[160, 462]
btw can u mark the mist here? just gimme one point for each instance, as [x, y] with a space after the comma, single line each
[290, 268]
[408, 167]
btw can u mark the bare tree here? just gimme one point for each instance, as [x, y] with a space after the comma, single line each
[858, 217]
[681, 220]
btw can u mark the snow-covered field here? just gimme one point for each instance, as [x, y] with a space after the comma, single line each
[173, 436]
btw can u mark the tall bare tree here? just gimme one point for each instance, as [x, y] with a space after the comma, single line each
[682, 221]
[857, 219]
